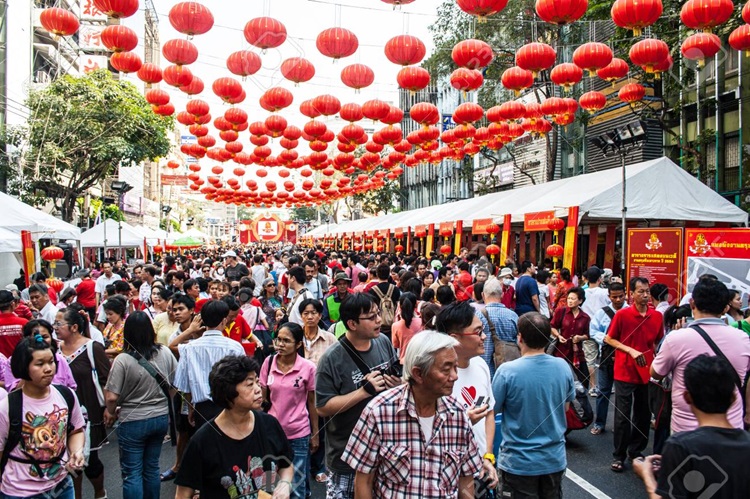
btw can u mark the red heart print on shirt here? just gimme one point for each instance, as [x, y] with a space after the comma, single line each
[469, 394]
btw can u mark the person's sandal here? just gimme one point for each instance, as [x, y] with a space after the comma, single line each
[617, 466]
[321, 478]
[595, 430]
[168, 475]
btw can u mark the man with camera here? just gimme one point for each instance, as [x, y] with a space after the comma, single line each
[352, 371]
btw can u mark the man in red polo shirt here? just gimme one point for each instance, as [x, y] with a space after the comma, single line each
[634, 333]
[11, 326]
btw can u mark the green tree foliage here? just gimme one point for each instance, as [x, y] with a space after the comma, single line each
[79, 130]
[381, 201]
[303, 214]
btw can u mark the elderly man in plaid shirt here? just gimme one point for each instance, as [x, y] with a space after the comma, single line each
[415, 440]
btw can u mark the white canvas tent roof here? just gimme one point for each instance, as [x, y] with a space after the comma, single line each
[193, 232]
[656, 190]
[18, 216]
[94, 237]
[10, 242]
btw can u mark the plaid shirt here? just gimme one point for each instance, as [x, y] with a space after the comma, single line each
[506, 326]
[388, 441]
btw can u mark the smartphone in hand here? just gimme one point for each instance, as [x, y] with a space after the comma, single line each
[480, 401]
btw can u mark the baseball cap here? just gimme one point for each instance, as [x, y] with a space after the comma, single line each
[11, 287]
[229, 253]
[505, 271]
[341, 276]
[593, 274]
[6, 297]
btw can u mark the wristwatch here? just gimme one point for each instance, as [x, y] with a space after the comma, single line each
[489, 457]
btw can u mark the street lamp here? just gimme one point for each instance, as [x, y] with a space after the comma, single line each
[120, 188]
[621, 142]
[165, 209]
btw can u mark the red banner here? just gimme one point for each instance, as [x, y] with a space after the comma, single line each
[180, 180]
[724, 253]
[537, 221]
[656, 254]
[27, 253]
[420, 230]
[479, 226]
[267, 229]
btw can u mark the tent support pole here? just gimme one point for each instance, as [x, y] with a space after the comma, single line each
[624, 215]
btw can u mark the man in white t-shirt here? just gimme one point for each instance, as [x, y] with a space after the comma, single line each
[259, 273]
[596, 299]
[107, 278]
[473, 388]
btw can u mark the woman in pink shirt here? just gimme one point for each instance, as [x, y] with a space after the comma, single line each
[288, 383]
[410, 324]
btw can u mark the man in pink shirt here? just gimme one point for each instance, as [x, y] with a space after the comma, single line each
[709, 300]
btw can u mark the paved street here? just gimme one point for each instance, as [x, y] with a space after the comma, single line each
[588, 469]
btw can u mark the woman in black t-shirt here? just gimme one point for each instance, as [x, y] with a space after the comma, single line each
[242, 450]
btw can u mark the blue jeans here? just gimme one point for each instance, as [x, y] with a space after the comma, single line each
[140, 446]
[301, 462]
[605, 378]
[64, 490]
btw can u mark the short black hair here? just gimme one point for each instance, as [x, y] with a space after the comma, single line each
[116, 304]
[121, 286]
[443, 271]
[454, 317]
[213, 312]
[184, 299]
[311, 301]
[445, 295]
[710, 382]
[231, 302]
[298, 273]
[383, 272]
[226, 375]
[525, 265]
[675, 313]
[638, 280]
[711, 296]
[616, 286]
[75, 314]
[659, 291]
[478, 290]
[139, 336]
[151, 270]
[354, 305]
[542, 276]
[23, 355]
[189, 284]
[38, 288]
[463, 265]
[535, 330]
[579, 292]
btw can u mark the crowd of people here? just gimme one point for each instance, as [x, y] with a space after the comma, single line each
[379, 375]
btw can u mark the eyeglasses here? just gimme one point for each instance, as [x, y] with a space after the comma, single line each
[270, 285]
[477, 332]
[283, 341]
[59, 324]
[374, 317]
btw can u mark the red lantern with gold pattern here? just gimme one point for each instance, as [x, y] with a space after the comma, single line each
[649, 53]
[556, 224]
[636, 14]
[560, 13]
[337, 43]
[119, 38]
[593, 101]
[739, 39]
[472, 54]
[535, 57]
[150, 73]
[466, 80]
[60, 22]
[517, 79]
[706, 15]
[126, 62]
[592, 56]
[492, 249]
[700, 46]
[405, 50]
[555, 251]
[191, 18]
[265, 33]
[482, 8]
[117, 9]
[566, 75]
[613, 71]
[413, 78]
[632, 93]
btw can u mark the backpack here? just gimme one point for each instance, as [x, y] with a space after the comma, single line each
[497, 343]
[608, 351]
[387, 308]
[15, 419]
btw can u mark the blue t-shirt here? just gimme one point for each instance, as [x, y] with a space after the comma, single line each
[526, 288]
[531, 393]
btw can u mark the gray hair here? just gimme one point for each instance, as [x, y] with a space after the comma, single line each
[422, 349]
[484, 270]
[492, 287]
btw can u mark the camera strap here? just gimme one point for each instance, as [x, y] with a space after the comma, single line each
[361, 365]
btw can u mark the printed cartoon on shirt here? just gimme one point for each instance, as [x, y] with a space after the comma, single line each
[246, 484]
[359, 379]
[43, 439]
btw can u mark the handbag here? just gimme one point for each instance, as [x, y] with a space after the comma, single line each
[266, 404]
[265, 338]
[165, 386]
[95, 374]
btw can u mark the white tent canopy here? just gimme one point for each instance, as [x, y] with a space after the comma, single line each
[94, 237]
[322, 230]
[10, 242]
[656, 190]
[18, 216]
[196, 233]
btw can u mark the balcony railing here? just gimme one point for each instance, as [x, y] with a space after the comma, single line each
[730, 180]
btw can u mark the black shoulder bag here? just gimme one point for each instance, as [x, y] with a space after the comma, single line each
[165, 386]
[737, 381]
[608, 351]
[363, 368]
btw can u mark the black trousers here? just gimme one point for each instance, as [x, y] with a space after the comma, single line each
[531, 487]
[632, 420]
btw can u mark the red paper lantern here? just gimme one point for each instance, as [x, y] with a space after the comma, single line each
[297, 69]
[535, 57]
[636, 14]
[706, 15]
[357, 76]
[399, 248]
[739, 39]
[180, 52]
[117, 9]
[468, 112]
[413, 78]
[566, 75]
[555, 251]
[405, 50]
[191, 18]
[227, 88]
[265, 33]
[275, 99]
[375, 109]
[592, 56]
[466, 80]
[337, 43]
[157, 97]
[593, 101]
[163, 110]
[275, 124]
[631, 93]
[472, 54]
[326, 104]
[554, 106]
[649, 53]
[52, 253]
[194, 87]
[351, 112]
[511, 111]
[125, 62]
[59, 22]
[425, 113]
[119, 38]
[177, 76]
[558, 12]
[517, 79]
[445, 249]
[197, 107]
[150, 73]
[492, 249]
[613, 71]
[54, 282]
[700, 46]
[556, 224]
[492, 228]
[243, 63]
[482, 8]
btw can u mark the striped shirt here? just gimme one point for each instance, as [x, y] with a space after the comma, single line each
[506, 327]
[388, 441]
[197, 358]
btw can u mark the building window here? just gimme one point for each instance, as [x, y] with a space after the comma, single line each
[730, 178]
